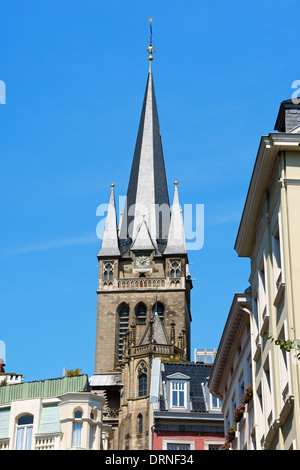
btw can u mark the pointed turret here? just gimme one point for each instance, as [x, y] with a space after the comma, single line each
[147, 194]
[110, 244]
[176, 238]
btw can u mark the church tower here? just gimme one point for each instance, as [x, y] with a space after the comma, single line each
[144, 285]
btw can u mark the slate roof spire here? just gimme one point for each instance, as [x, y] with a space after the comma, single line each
[110, 243]
[176, 238]
[147, 194]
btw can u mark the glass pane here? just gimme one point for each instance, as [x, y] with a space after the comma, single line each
[28, 438]
[142, 385]
[178, 447]
[76, 438]
[181, 398]
[20, 438]
[26, 419]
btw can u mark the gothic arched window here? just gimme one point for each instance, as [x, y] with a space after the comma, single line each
[123, 327]
[140, 314]
[142, 379]
[175, 269]
[108, 271]
[160, 309]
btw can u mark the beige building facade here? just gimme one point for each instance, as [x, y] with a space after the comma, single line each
[269, 235]
[231, 376]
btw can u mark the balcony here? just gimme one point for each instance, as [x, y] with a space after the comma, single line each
[141, 283]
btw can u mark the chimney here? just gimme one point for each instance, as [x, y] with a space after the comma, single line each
[288, 119]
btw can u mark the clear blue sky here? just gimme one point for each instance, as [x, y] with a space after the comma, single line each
[75, 75]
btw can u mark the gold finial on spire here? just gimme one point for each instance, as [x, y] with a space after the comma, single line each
[112, 185]
[176, 183]
[150, 48]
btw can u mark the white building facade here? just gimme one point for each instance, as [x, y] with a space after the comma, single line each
[56, 414]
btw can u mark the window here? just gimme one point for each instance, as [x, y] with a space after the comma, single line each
[92, 435]
[160, 310]
[178, 446]
[216, 403]
[279, 281]
[123, 327]
[140, 313]
[276, 254]
[142, 379]
[241, 387]
[283, 369]
[178, 395]
[24, 432]
[108, 272]
[175, 269]
[140, 423]
[77, 429]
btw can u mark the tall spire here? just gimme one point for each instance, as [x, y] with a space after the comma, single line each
[176, 239]
[110, 244]
[147, 194]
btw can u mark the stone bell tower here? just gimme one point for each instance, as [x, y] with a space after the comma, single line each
[144, 285]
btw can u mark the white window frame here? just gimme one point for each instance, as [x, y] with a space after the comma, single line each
[76, 426]
[182, 388]
[178, 441]
[27, 438]
[213, 442]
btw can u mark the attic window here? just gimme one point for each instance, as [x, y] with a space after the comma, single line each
[178, 394]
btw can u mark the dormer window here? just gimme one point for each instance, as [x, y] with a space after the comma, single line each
[179, 391]
[178, 394]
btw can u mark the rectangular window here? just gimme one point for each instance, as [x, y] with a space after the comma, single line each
[178, 394]
[76, 437]
[279, 281]
[178, 447]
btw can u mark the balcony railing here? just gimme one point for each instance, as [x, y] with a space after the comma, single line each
[141, 283]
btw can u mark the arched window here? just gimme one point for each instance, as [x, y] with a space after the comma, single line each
[142, 379]
[140, 423]
[123, 327]
[175, 269]
[108, 271]
[160, 309]
[24, 432]
[77, 429]
[140, 314]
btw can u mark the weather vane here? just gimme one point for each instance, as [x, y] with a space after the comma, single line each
[150, 48]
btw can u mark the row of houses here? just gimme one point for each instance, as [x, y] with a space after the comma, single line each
[72, 412]
[256, 372]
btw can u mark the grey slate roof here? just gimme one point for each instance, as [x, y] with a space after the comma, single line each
[110, 242]
[176, 238]
[160, 335]
[147, 184]
[198, 374]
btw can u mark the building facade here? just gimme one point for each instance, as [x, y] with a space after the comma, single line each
[144, 286]
[54, 414]
[231, 378]
[269, 236]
